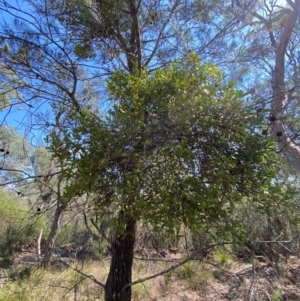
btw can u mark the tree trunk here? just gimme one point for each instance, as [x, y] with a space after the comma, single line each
[120, 272]
[51, 238]
[280, 97]
[39, 244]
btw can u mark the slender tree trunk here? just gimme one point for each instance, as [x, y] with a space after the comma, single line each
[280, 97]
[60, 207]
[39, 244]
[120, 272]
[51, 238]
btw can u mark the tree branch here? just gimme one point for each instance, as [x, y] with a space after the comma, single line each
[161, 32]
[136, 28]
[91, 277]
[157, 274]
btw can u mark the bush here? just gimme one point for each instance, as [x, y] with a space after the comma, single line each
[223, 257]
[139, 292]
[17, 227]
[264, 229]
[196, 274]
[72, 234]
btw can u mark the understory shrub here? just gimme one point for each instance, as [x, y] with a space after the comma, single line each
[18, 226]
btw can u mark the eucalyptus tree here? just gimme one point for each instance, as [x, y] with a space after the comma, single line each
[267, 47]
[29, 173]
[48, 79]
[35, 176]
[151, 33]
[15, 152]
[18, 180]
[285, 81]
[5, 90]
[18, 228]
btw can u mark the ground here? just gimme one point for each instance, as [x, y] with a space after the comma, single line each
[202, 281]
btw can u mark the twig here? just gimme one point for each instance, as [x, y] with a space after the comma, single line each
[91, 277]
[156, 275]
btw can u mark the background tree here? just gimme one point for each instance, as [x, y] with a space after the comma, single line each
[15, 154]
[20, 223]
[268, 49]
[18, 226]
[33, 175]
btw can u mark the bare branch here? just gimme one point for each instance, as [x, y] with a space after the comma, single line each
[157, 274]
[91, 277]
[27, 174]
[161, 32]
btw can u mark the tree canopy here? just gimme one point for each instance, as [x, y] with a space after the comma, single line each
[178, 146]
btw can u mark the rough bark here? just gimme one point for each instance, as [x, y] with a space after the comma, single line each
[120, 274]
[290, 150]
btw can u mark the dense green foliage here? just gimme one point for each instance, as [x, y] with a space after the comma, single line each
[178, 146]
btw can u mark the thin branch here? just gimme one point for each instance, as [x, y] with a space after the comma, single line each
[88, 227]
[161, 32]
[279, 241]
[157, 274]
[91, 277]
[24, 179]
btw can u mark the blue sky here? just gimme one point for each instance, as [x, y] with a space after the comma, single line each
[14, 115]
[19, 116]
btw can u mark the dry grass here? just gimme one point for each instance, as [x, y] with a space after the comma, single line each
[192, 281]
